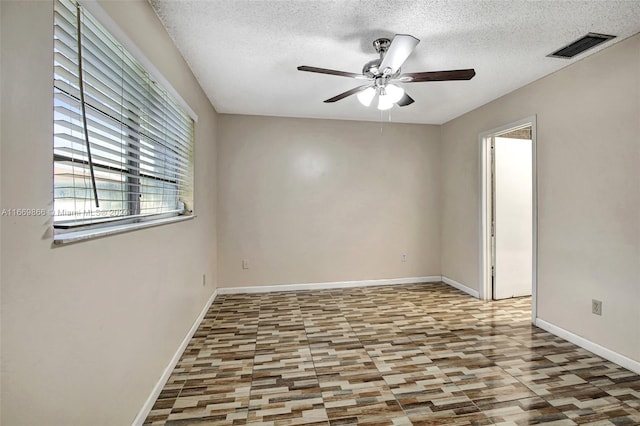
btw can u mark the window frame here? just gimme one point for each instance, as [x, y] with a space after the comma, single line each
[67, 231]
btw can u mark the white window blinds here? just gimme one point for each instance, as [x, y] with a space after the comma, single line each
[129, 151]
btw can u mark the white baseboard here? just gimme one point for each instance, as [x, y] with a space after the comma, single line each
[461, 287]
[148, 405]
[328, 285]
[612, 356]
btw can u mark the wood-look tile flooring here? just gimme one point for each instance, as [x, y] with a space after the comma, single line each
[422, 354]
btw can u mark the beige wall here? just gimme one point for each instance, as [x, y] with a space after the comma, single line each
[309, 201]
[588, 153]
[87, 329]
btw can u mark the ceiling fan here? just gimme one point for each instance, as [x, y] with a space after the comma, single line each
[384, 74]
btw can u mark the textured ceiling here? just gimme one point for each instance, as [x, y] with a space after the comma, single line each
[245, 52]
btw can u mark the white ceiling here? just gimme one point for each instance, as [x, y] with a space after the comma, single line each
[244, 53]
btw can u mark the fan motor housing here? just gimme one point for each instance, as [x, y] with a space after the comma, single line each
[372, 68]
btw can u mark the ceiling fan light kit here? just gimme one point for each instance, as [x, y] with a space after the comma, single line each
[384, 74]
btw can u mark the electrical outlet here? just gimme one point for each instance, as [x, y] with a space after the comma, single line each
[596, 306]
[204, 280]
[245, 264]
[404, 257]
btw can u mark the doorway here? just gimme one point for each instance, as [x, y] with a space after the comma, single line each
[508, 212]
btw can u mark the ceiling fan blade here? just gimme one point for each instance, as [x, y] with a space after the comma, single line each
[398, 52]
[347, 93]
[417, 77]
[328, 71]
[406, 100]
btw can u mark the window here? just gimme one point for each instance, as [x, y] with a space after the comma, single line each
[123, 147]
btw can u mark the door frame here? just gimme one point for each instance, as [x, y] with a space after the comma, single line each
[485, 209]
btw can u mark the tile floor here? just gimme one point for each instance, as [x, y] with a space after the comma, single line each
[422, 354]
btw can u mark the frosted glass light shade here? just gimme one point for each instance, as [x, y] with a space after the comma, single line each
[395, 93]
[384, 102]
[366, 96]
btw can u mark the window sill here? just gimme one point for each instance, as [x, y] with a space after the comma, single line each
[89, 234]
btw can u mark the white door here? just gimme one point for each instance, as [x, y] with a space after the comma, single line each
[513, 210]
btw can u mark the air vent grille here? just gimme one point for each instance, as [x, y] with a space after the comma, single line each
[582, 44]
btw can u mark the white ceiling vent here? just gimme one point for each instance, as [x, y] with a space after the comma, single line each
[582, 44]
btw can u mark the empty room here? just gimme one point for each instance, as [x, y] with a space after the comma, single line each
[319, 212]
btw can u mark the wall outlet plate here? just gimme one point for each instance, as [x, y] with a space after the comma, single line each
[596, 306]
